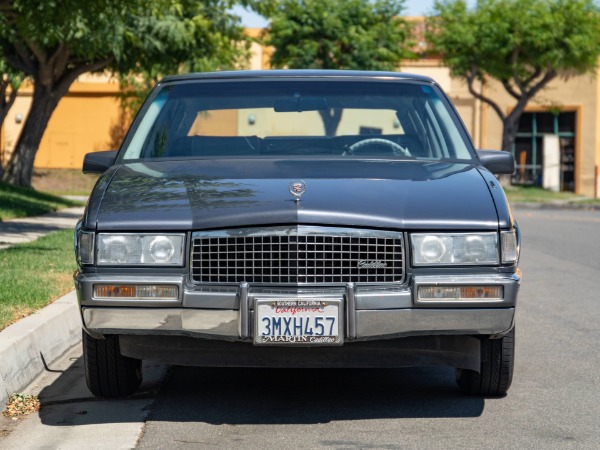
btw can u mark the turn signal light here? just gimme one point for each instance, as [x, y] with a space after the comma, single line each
[440, 293]
[135, 292]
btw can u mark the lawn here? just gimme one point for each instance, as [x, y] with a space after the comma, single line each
[33, 275]
[63, 181]
[533, 194]
[22, 202]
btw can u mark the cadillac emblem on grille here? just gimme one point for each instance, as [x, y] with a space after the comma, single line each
[297, 188]
[362, 264]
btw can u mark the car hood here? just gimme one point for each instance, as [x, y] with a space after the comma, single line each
[206, 194]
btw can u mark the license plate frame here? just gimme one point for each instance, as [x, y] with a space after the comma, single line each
[293, 309]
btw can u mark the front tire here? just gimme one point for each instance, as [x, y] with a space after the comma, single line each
[496, 370]
[108, 373]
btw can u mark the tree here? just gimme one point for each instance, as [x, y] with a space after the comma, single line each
[522, 44]
[56, 42]
[10, 82]
[338, 34]
[191, 36]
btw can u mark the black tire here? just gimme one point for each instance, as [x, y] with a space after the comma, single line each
[497, 364]
[108, 373]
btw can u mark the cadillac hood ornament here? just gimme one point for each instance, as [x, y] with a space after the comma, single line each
[297, 188]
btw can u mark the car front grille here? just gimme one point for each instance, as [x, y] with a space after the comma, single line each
[297, 255]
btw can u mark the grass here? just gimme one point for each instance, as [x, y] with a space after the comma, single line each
[63, 181]
[22, 202]
[35, 274]
[533, 194]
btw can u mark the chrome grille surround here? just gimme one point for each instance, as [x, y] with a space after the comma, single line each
[297, 255]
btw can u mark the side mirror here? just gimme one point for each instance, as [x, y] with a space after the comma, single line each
[497, 161]
[99, 162]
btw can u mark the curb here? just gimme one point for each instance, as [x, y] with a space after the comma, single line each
[30, 345]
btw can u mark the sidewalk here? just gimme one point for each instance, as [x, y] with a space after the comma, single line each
[28, 229]
[38, 340]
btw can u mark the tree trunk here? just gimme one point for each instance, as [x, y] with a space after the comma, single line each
[331, 119]
[509, 134]
[510, 124]
[20, 166]
[6, 102]
[510, 127]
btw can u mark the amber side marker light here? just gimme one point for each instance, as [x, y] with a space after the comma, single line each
[460, 293]
[135, 292]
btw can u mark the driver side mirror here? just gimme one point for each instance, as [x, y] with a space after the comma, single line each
[497, 161]
[99, 162]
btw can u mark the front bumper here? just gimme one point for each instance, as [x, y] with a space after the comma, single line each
[369, 324]
[370, 312]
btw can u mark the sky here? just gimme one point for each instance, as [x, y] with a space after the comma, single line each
[411, 8]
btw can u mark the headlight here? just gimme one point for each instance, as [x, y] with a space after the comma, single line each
[455, 249]
[140, 249]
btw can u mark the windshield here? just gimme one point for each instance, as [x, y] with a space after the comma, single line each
[295, 118]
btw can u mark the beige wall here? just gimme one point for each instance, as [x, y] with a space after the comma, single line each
[579, 94]
[291, 123]
[82, 122]
[260, 55]
[215, 123]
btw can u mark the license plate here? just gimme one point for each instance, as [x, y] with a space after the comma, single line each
[298, 322]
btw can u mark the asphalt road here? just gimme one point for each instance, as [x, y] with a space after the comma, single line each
[554, 401]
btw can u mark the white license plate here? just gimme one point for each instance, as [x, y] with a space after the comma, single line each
[298, 322]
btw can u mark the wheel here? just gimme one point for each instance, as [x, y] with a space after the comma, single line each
[377, 142]
[107, 372]
[496, 372]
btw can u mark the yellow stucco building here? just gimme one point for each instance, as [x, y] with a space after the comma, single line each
[89, 119]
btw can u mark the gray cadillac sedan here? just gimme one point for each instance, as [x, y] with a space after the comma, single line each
[298, 219]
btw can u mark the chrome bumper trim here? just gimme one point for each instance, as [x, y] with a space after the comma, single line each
[243, 319]
[176, 321]
[350, 311]
[414, 322]
[224, 324]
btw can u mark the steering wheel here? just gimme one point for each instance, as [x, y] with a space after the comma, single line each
[360, 145]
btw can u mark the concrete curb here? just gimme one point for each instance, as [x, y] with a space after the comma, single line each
[46, 334]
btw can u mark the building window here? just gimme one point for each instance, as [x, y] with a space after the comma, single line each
[529, 152]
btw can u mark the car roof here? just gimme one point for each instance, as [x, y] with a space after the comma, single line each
[298, 73]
